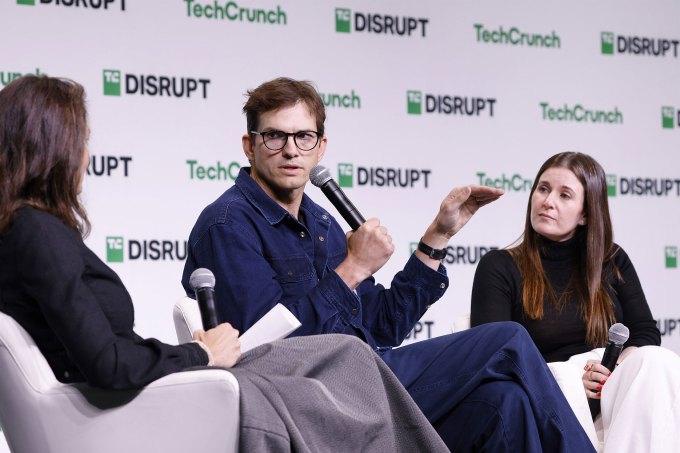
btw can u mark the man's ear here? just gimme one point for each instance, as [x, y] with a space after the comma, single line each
[323, 141]
[248, 148]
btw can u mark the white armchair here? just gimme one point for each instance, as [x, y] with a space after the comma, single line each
[568, 377]
[187, 318]
[196, 410]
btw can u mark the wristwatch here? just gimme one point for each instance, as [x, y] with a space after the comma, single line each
[435, 254]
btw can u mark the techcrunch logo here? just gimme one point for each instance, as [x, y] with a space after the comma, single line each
[515, 37]
[231, 11]
[106, 165]
[652, 187]
[580, 114]
[671, 255]
[670, 117]
[448, 105]
[92, 4]
[145, 250]
[514, 183]
[213, 172]
[461, 254]
[657, 47]
[382, 176]
[153, 85]
[7, 76]
[348, 101]
[379, 23]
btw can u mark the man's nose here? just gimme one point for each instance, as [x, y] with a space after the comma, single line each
[290, 149]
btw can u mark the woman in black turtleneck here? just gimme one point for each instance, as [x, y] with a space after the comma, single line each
[560, 332]
[567, 282]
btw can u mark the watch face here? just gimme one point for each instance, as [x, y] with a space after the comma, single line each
[438, 254]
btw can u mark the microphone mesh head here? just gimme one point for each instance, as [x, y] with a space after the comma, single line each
[319, 175]
[202, 278]
[618, 333]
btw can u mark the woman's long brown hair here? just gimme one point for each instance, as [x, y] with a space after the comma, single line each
[43, 138]
[590, 276]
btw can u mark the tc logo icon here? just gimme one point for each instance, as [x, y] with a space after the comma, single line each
[114, 249]
[342, 20]
[667, 117]
[346, 175]
[26, 2]
[414, 100]
[611, 185]
[671, 257]
[111, 82]
[607, 39]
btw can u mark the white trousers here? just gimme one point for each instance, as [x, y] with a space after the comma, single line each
[640, 401]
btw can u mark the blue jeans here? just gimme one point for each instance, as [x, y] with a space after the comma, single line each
[489, 389]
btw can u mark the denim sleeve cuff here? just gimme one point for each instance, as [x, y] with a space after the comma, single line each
[339, 295]
[424, 276]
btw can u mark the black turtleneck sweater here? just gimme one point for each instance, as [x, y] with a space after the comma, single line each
[497, 296]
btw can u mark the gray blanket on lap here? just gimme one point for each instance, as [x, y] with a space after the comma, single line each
[327, 393]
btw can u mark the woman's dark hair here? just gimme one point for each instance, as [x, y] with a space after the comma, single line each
[590, 278]
[43, 139]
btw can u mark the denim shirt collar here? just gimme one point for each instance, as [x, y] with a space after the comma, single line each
[269, 208]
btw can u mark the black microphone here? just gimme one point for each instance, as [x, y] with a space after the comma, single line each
[321, 178]
[618, 335]
[202, 281]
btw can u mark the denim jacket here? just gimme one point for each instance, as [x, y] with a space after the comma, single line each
[261, 256]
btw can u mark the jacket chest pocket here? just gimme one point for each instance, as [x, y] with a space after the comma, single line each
[293, 270]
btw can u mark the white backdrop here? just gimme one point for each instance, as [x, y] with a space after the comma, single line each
[141, 188]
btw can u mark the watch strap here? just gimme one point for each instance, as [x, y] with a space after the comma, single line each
[435, 254]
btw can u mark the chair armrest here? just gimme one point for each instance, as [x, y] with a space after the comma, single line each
[187, 318]
[195, 410]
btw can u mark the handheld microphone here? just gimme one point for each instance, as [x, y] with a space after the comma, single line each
[618, 335]
[321, 178]
[202, 281]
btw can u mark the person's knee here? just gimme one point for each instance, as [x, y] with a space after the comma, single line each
[506, 330]
[655, 357]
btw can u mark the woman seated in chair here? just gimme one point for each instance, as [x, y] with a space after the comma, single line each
[81, 316]
[567, 282]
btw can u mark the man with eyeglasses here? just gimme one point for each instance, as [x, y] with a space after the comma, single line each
[267, 242]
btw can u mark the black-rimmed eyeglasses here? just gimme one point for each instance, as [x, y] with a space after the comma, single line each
[276, 140]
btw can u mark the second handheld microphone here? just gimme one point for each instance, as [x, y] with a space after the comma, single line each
[618, 335]
[202, 281]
